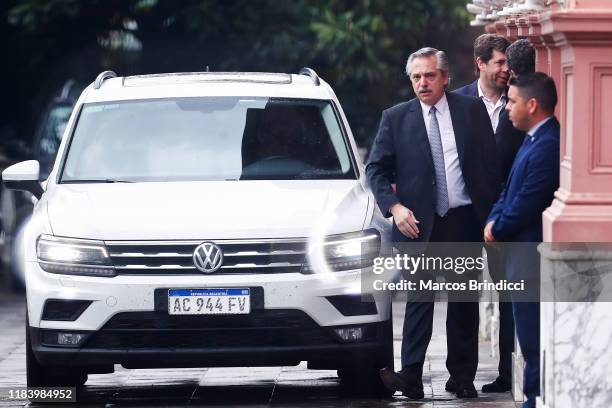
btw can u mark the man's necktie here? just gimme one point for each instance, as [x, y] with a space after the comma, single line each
[437, 153]
[519, 154]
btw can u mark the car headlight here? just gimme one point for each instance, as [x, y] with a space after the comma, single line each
[342, 252]
[69, 256]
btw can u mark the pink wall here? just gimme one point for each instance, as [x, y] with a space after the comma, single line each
[574, 46]
[582, 210]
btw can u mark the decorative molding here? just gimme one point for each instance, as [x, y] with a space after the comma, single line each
[511, 29]
[569, 197]
[523, 25]
[535, 29]
[567, 117]
[601, 98]
[578, 26]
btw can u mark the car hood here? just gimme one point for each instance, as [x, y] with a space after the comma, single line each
[206, 209]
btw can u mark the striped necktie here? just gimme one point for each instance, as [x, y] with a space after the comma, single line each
[437, 153]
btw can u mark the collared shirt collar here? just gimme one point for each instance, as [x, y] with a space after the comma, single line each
[481, 94]
[531, 132]
[441, 106]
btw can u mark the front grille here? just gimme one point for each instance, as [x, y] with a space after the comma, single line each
[270, 318]
[262, 328]
[176, 257]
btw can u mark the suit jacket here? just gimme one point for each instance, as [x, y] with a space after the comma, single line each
[507, 138]
[401, 153]
[530, 189]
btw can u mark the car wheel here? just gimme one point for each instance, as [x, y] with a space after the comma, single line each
[362, 376]
[38, 375]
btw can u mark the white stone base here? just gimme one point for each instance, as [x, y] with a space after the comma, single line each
[540, 404]
[518, 367]
[576, 329]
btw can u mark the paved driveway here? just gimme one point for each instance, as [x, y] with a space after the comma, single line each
[236, 387]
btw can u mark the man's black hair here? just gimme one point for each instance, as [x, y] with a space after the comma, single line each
[539, 86]
[521, 57]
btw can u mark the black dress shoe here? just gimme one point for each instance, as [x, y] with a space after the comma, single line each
[451, 385]
[410, 387]
[499, 385]
[466, 390]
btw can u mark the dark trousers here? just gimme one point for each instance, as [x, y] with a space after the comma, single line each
[459, 225]
[506, 341]
[523, 262]
[527, 319]
[496, 262]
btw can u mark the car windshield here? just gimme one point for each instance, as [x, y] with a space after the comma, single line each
[212, 138]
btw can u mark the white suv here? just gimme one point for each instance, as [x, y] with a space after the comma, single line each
[203, 219]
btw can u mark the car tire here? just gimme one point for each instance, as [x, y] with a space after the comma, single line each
[361, 378]
[38, 375]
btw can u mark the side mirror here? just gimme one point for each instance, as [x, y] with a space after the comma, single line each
[23, 176]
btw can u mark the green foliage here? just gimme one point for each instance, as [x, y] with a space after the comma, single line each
[359, 46]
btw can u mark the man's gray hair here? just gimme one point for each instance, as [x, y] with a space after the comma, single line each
[441, 58]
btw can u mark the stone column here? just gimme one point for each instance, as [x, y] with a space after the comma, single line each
[511, 29]
[554, 67]
[582, 210]
[576, 325]
[535, 31]
[548, 54]
[522, 27]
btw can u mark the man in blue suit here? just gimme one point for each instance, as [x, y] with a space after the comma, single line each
[516, 218]
[439, 150]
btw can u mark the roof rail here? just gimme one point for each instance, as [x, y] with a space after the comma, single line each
[312, 74]
[102, 77]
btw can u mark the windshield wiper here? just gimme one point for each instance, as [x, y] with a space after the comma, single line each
[96, 181]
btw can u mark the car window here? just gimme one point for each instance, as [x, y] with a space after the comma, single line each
[221, 138]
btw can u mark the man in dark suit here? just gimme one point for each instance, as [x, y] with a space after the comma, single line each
[440, 151]
[495, 60]
[516, 218]
[491, 86]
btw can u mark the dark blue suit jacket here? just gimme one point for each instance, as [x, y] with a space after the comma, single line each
[401, 154]
[507, 138]
[530, 189]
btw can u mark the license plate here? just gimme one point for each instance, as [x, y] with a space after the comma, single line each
[209, 301]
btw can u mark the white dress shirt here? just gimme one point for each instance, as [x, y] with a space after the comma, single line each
[493, 108]
[531, 133]
[457, 194]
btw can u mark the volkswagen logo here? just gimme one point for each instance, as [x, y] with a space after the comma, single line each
[208, 257]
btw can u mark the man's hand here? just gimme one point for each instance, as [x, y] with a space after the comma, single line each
[488, 232]
[405, 220]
